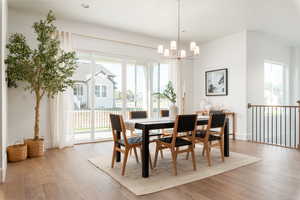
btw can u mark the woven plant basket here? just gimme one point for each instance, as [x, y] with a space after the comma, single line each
[16, 152]
[35, 147]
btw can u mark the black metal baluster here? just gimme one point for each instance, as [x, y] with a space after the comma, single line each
[281, 112]
[252, 114]
[276, 119]
[268, 124]
[256, 124]
[264, 116]
[259, 124]
[272, 125]
[285, 126]
[295, 127]
[290, 127]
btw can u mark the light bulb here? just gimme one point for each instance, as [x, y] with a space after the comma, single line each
[182, 54]
[173, 45]
[166, 52]
[197, 50]
[160, 49]
[193, 46]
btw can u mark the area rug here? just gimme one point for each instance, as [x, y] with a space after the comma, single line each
[162, 178]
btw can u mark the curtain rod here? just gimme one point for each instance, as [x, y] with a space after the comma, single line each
[116, 41]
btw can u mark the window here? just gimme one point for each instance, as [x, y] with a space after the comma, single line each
[273, 83]
[78, 90]
[97, 90]
[160, 79]
[107, 85]
[136, 87]
[104, 91]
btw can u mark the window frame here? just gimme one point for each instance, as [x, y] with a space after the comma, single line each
[285, 78]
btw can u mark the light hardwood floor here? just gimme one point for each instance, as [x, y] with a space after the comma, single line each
[67, 174]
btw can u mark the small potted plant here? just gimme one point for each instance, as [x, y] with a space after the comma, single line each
[44, 71]
[169, 93]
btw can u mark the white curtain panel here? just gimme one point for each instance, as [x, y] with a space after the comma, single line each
[61, 107]
[177, 83]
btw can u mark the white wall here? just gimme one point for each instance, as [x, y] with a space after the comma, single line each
[227, 52]
[21, 104]
[3, 90]
[294, 75]
[261, 47]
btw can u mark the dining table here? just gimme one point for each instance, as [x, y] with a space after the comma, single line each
[147, 125]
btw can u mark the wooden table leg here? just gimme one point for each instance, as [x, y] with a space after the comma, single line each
[118, 156]
[145, 152]
[226, 140]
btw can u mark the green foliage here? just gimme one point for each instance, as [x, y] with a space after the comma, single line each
[168, 93]
[44, 70]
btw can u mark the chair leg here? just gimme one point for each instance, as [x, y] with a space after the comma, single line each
[222, 149]
[203, 151]
[136, 155]
[193, 158]
[156, 154]
[161, 154]
[187, 155]
[125, 161]
[150, 160]
[161, 151]
[208, 154]
[174, 158]
[113, 158]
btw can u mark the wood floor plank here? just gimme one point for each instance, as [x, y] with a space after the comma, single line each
[67, 174]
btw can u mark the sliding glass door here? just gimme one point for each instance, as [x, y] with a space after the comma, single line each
[112, 85]
[160, 79]
[136, 88]
[107, 95]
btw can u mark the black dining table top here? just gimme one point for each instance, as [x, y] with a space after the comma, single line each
[161, 123]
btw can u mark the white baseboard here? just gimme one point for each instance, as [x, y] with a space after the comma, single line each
[3, 169]
[3, 174]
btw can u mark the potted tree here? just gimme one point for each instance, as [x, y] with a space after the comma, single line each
[169, 93]
[44, 71]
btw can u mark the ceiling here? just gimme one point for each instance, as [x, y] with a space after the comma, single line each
[202, 20]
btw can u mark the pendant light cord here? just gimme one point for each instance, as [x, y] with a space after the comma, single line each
[178, 36]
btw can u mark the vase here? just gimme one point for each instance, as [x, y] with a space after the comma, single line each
[173, 109]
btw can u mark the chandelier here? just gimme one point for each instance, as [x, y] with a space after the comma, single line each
[175, 51]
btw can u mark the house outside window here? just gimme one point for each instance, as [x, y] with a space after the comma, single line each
[97, 90]
[104, 91]
[78, 90]
[101, 91]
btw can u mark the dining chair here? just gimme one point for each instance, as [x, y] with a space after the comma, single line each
[183, 124]
[212, 136]
[202, 113]
[140, 114]
[165, 132]
[164, 113]
[143, 115]
[117, 124]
